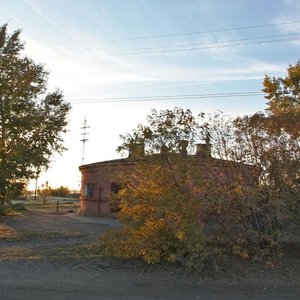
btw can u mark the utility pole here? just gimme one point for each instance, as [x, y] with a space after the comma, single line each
[84, 139]
[37, 174]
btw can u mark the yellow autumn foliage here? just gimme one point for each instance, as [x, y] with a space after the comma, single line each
[160, 218]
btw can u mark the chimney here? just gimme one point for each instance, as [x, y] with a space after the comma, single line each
[136, 150]
[183, 144]
[164, 150]
[203, 150]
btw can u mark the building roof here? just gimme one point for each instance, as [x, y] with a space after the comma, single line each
[193, 158]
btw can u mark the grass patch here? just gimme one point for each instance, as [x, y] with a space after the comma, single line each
[79, 251]
[51, 207]
[57, 254]
[13, 253]
[41, 236]
[6, 231]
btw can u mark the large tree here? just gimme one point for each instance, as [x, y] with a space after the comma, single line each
[158, 203]
[170, 212]
[283, 94]
[283, 106]
[31, 120]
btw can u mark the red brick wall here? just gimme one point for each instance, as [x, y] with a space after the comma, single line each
[101, 175]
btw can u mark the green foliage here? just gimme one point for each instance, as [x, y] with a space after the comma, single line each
[45, 191]
[160, 219]
[31, 121]
[15, 189]
[252, 213]
[243, 219]
[283, 126]
[283, 93]
[159, 208]
[172, 212]
[61, 191]
[165, 131]
[284, 102]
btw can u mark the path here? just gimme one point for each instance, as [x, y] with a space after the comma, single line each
[24, 276]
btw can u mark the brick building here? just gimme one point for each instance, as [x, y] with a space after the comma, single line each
[100, 180]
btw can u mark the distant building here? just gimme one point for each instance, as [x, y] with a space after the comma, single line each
[100, 180]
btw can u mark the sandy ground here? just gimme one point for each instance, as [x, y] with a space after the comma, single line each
[37, 261]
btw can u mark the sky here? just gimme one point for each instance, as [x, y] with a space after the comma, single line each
[102, 53]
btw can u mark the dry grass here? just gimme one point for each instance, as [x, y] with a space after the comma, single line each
[13, 253]
[6, 231]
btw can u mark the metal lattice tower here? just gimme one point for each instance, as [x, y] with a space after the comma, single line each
[84, 139]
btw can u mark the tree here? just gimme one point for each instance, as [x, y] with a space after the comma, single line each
[62, 191]
[243, 212]
[281, 125]
[167, 131]
[250, 217]
[159, 205]
[45, 192]
[283, 105]
[283, 93]
[31, 120]
[180, 208]
[171, 212]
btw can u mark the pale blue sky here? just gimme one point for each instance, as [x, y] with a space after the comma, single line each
[90, 48]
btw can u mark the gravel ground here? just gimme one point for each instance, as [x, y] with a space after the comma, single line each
[38, 261]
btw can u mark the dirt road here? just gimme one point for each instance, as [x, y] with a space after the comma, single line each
[44, 259]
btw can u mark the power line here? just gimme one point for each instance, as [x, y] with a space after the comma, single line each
[200, 46]
[296, 34]
[203, 32]
[163, 97]
[207, 47]
[183, 33]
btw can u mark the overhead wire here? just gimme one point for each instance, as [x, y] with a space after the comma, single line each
[267, 39]
[162, 97]
[182, 34]
[218, 42]
[207, 47]
[181, 48]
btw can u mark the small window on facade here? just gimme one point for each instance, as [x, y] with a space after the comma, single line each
[88, 190]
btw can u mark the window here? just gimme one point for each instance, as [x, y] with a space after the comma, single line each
[88, 190]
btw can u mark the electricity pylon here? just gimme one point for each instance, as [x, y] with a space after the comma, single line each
[84, 139]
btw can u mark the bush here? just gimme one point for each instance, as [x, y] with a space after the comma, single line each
[62, 191]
